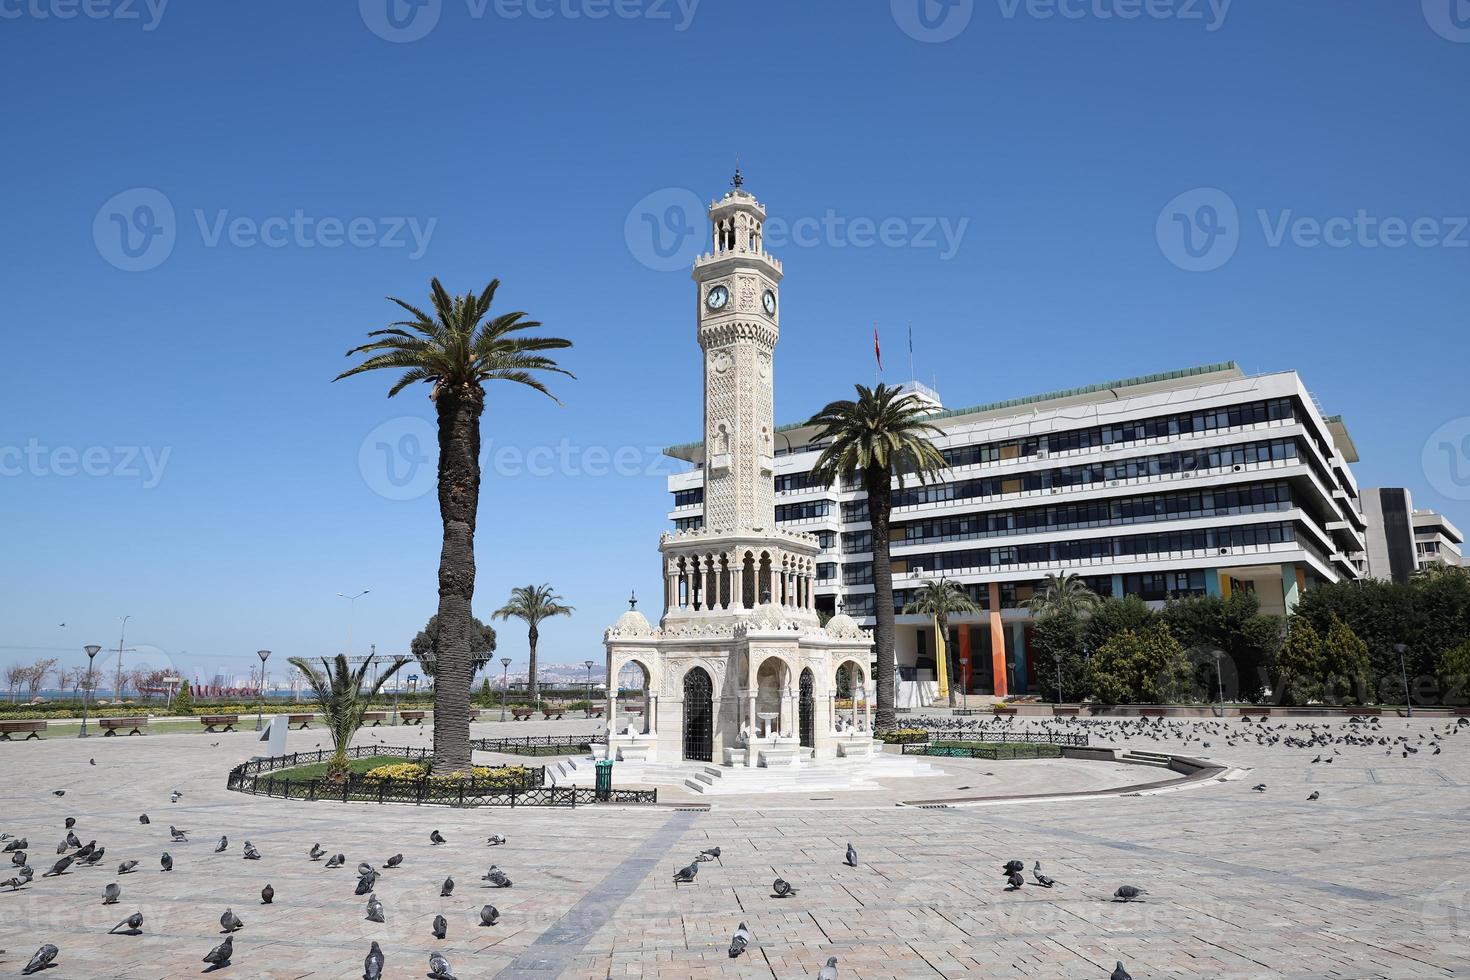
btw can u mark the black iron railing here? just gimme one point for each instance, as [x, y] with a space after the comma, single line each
[538, 744]
[972, 733]
[996, 750]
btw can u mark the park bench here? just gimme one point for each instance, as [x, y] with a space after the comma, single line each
[376, 717]
[300, 721]
[1152, 712]
[963, 712]
[412, 717]
[32, 728]
[1003, 711]
[135, 725]
[552, 711]
[1064, 712]
[474, 714]
[211, 722]
[520, 714]
[596, 711]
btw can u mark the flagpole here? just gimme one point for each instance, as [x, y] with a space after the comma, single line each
[911, 353]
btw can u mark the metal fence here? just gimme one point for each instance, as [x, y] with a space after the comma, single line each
[976, 733]
[537, 744]
[997, 750]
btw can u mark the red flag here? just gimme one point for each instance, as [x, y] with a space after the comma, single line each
[877, 349]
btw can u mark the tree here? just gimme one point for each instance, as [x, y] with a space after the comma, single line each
[1454, 673]
[15, 676]
[1234, 626]
[36, 674]
[532, 604]
[482, 646]
[1297, 669]
[1064, 593]
[1146, 666]
[1061, 634]
[338, 690]
[183, 700]
[1346, 669]
[1113, 616]
[882, 437]
[942, 599]
[457, 350]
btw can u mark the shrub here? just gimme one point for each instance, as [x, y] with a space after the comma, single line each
[1146, 665]
[1346, 668]
[903, 736]
[1297, 668]
[1454, 673]
[507, 777]
[183, 701]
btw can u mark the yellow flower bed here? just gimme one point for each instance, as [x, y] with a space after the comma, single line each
[504, 776]
[899, 736]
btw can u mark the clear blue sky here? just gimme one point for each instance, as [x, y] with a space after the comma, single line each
[528, 142]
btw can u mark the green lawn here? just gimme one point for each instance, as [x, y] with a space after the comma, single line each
[319, 769]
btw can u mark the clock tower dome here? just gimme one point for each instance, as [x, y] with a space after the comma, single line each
[739, 314]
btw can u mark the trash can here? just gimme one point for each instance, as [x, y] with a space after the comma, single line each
[604, 780]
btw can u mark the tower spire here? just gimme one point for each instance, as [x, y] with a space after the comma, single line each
[738, 181]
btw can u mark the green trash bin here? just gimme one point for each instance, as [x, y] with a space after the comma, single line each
[604, 780]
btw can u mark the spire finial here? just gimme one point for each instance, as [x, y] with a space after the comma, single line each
[632, 600]
[738, 181]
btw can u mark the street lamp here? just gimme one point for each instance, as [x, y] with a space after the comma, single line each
[504, 684]
[589, 664]
[1220, 681]
[1404, 673]
[351, 608]
[92, 650]
[1057, 656]
[117, 684]
[264, 655]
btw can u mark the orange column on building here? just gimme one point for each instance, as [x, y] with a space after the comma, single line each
[964, 659]
[997, 644]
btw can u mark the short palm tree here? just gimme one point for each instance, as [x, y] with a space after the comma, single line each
[532, 604]
[942, 599]
[456, 350]
[1063, 595]
[338, 689]
[882, 437]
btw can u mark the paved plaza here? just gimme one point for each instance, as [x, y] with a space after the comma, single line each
[1368, 881]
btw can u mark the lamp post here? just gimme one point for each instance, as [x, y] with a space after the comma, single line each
[1220, 681]
[1404, 673]
[395, 692]
[1057, 656]
[264, 655]
[92, 650]
[117, 683]
[504, 684]
[589, 664]
[351, 608]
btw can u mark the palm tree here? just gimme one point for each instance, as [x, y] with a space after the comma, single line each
[339, 690]
[456, 350]
[881, 437]
[941, 600]
[533, 603]
[1064, 594]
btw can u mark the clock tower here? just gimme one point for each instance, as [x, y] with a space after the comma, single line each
[738, 285]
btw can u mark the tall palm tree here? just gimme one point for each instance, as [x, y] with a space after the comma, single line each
[338, 689]
[882, 437]
[532, 604]
[457, 350]
[1064, 594]
[942, 599]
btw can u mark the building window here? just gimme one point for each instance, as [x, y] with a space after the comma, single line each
[807, 510]
[688, 498]
[688, 523]
[826, 571]
[854, 511]
[857, 542]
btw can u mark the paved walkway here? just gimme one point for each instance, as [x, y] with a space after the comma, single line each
[1371, 880]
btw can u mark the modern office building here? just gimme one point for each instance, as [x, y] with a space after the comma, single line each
[1402, 540]
[1204, 481]
[1436, 539]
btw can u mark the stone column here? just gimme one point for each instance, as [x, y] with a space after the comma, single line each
[737, 582]
[750, 721]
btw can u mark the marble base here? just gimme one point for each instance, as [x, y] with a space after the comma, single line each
[856, 748]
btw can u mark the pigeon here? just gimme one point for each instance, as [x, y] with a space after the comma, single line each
[316, 852]
[59, 868]
[58, 792]
[166, 861]
[15, 882]
[394, 861]
[230, 922]
[267, 895]
[782, 888]
[1315, 796]
[336, 860]
[220, 955]
[436, 838]
[18, 858]
[143, 818]
[43, 958]
[1045, 881]
[686, 874]
[1012, 867]
[72, 840]
[439, 968]
[446, 889]
[1015, 881]
[739, 941]
[489, 915]
[174, 796]
[495, 840]
[366, 883]
[374, 909]
[372, 965]
[1259, 787]
[441, 927]
[18, 844]
[829, 972]
[177, 834]
[851, 859]
[134, 924]
[496, 877]
[95, 858]
[1128, 893]
[63, 847]
[222, 846]
[110, 893]
[364, 869]
[251, 854]
[1119, 973]
[69, 822]
[710, 854]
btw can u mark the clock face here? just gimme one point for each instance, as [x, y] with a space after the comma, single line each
[769, 302]
[718, 298]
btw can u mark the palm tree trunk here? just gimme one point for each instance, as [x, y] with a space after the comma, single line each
[459, 498]
[880, 504]
[532, 636]
[949, 658]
